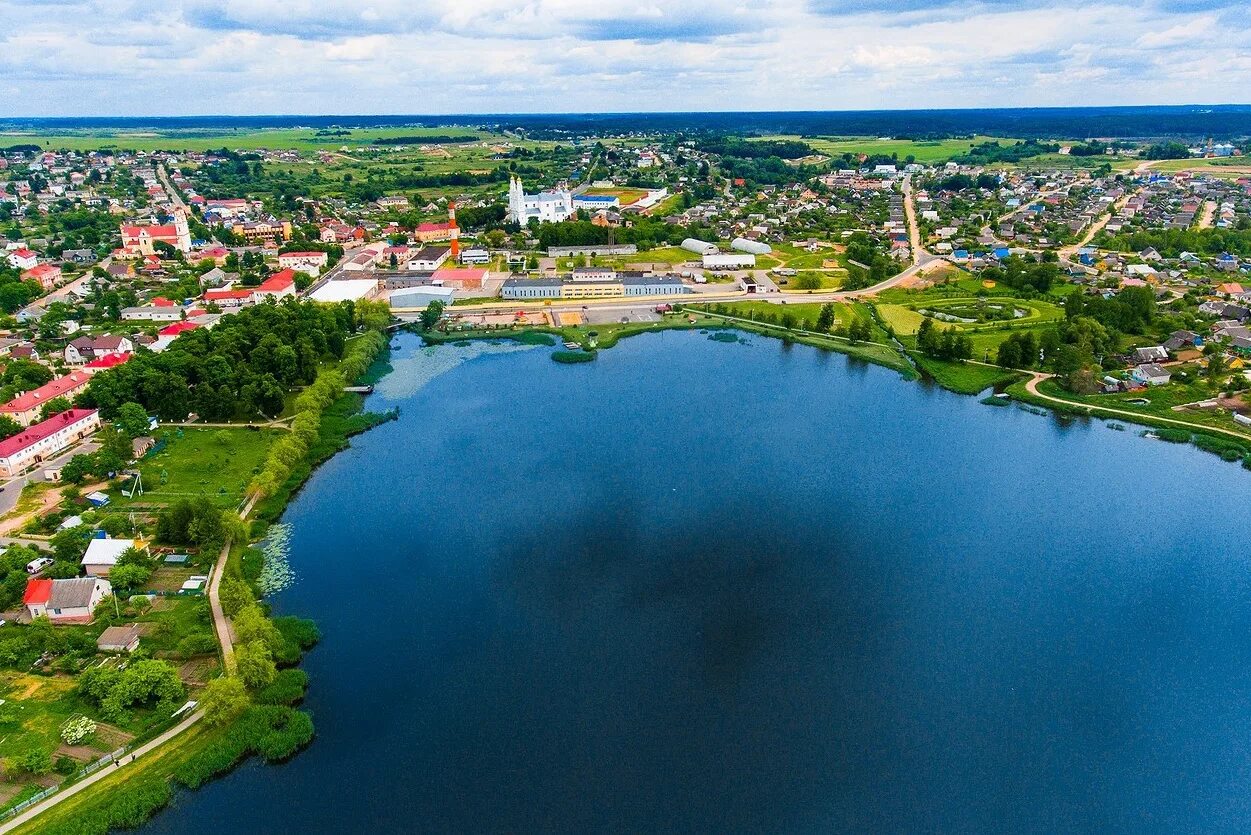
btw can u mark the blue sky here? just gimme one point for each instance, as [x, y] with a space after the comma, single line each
[187, 57]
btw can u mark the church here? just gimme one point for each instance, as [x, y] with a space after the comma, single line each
[545, 207]
[138, 241]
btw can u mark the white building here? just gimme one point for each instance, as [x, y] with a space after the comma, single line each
[44, 440]
[545, 207]
[729, 261]
[309, 263]
[102, 555]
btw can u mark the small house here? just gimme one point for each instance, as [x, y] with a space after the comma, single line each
[1152, 374]
[119, 639]
[65, 601]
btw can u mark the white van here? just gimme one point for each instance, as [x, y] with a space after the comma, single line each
[37, 565]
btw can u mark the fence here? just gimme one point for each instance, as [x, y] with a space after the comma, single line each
[90, 768]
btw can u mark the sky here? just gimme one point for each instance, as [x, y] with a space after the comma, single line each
[246, 57]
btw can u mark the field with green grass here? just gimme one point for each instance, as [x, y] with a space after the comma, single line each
[924, 151]
[963, 377]
[217, 463]
[294, 139]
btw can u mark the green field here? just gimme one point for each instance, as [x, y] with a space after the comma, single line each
[924, 151]
[295, 139]
[961, 377]
[215, 462]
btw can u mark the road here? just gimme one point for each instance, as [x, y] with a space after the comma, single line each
[97, 776]
[174, 195]
[1037, 377]
[1066, 253]
[11, 490]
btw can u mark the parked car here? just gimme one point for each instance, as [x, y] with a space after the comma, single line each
[37, 565]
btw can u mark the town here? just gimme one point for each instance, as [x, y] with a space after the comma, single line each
[188, 326]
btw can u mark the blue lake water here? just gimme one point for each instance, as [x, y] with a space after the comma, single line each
[704, 587]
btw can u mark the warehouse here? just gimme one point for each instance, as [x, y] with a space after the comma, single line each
[699, 247]
[729, 261]
[748, 245]
[352, 289]
[415, 298]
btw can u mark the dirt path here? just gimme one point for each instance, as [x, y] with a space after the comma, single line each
[1037, 377]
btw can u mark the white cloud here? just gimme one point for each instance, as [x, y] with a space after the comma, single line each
[123, 57]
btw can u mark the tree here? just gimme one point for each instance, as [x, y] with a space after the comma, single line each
[55, 406]
[8, 427]
[256, 664]
[36, 761]
[223, 699]
[431, 315]
[132, 420]
[825, 319]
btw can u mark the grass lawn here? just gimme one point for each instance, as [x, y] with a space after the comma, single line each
[904, 320]
[963, 378]
[210, 139]
[671, 255]
[215, 462]
[924, 151]
[1161, 401]
[627, 196]
[844, 313]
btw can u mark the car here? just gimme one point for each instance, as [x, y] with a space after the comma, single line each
[37, 565]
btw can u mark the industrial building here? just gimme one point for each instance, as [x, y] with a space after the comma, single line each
[414, 298]
[699, 247]
[729, 261]
[575, 287]
[748, 245]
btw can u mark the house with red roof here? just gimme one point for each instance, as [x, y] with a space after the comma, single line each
[23, 259]
[65, 601]
[48, 275]
[228, 297]
[25, 408]
[46, 439]
[305, 262]
[431, 232]
[277, 286]
[177, 328]
[140, 241]
[104, 362]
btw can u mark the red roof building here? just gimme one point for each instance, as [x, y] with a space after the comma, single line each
[177, 328]
[48, 275]
[105, 362]
[46, 439]
[38, 592]
[25, 407]
[460, 278]
[277, 285]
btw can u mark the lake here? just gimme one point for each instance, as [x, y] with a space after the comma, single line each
[707, 587]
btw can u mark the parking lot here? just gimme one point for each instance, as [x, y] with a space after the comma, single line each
[607, 317]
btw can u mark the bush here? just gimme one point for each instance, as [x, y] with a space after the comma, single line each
[536, 338]
[573, 357]
[287, 688]
[273, 732]
[1173, 436]
[77, 729]
[127, 806]
[65, 766]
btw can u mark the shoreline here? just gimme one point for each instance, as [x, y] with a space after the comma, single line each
[153, 780]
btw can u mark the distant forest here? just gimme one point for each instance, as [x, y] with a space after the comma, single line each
[1180, 121]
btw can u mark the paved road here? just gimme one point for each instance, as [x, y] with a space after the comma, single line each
[97, 776]
[11, 490]
[1037, 377]
[173, 193]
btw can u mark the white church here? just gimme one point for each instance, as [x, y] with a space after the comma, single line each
[545, 207]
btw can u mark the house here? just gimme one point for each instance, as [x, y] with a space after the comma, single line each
[102, 555]
[1182, 339]
[23, 259]
[427, 233]
[1150, 354]
[65, 601]
[152, 313]
[1151, 374]
[48, 275]
[45, 439]
[140, 241]
[310, 263]
[83, 349]
[429, 258]
[104, 362]
[228, 297]
[277, 286]
[119, 639]
[25, 408]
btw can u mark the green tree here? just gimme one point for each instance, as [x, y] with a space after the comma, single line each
[431, 315]
[132, 420]
[55, 406]
[256, 664]
[825, 319]
[223, 699]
